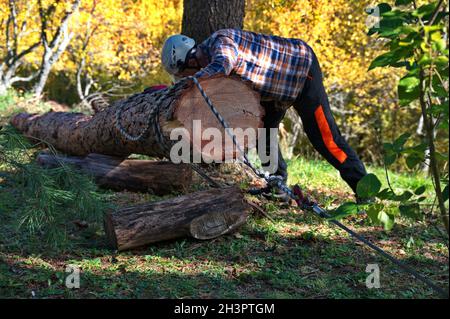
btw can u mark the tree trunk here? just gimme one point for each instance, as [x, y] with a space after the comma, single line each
[201, 18]
[202, 215]
[3, 88]
[79, 134]
[54, 47]
[44, 72]
[159, 178]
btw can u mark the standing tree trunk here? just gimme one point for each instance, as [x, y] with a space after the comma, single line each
[55, 46]
[201, 18]
[13, 56]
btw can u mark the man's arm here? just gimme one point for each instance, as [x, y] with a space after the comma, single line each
[223, 60]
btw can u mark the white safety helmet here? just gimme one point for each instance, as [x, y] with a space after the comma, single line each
[175, 51]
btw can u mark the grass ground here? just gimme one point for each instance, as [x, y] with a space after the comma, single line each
[295, 256]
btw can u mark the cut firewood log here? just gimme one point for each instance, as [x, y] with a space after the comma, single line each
[201, 215]
[79, 134]
[157, 177]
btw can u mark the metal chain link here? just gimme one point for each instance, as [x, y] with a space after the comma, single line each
[153, 118]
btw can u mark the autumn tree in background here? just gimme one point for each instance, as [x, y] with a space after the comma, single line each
[54, 38]
[363, 103]
[112, 44]
[117, 45]
[33, 30]
[115, 50]
[17, 41]
[201, 18]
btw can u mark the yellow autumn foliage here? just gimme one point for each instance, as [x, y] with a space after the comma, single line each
[337, 31]
[126, 34]
[126, 37]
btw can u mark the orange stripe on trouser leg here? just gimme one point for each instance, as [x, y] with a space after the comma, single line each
[327, 137]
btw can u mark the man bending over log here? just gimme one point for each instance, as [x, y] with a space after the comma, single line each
[284, 71]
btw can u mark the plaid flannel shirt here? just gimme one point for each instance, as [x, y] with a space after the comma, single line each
[277, 67]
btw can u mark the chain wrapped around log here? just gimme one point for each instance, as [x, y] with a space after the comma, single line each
[176, 107]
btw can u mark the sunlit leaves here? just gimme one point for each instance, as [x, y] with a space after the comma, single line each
[368, 186]
[346, 209]
[379, 216]
[385, 59]
[421, 43]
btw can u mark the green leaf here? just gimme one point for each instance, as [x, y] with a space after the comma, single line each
[346, 209]
[424, 10]
[414, 159]
[421, 190]
[418, 149]
[399, 143]
[438, 42]
[441, 61]
[441, 156]
[378, 11]
[421, 199]
[445, 193]
[386, 194]
[404, 197]
[368, 186]
[373, 212]
[408, 89]
[390, 155]
[384, 7]
[387, 220]
[384, 60]
[425, 60]
[390, 159]
[409, 83]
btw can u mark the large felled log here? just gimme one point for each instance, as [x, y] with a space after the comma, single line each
[158, 177]
[202, 215]
[79, 134]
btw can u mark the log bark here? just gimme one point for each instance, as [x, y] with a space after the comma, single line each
[157, 177]
[79, 134]
[201, 215]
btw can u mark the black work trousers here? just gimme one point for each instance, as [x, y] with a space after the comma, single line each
[313, 107]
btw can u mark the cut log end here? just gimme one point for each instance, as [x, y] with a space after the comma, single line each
[216, 224]
[236, 102]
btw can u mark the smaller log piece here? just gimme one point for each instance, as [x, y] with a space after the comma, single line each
[201, 215]
[160, 178]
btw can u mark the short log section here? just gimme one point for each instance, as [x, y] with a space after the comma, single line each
[201, 215]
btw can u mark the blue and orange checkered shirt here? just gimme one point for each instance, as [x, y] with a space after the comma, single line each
[277, 67]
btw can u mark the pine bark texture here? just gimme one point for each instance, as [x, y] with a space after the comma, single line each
[79, 134]
[201, 215]
[201, 18]
[157, 177]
